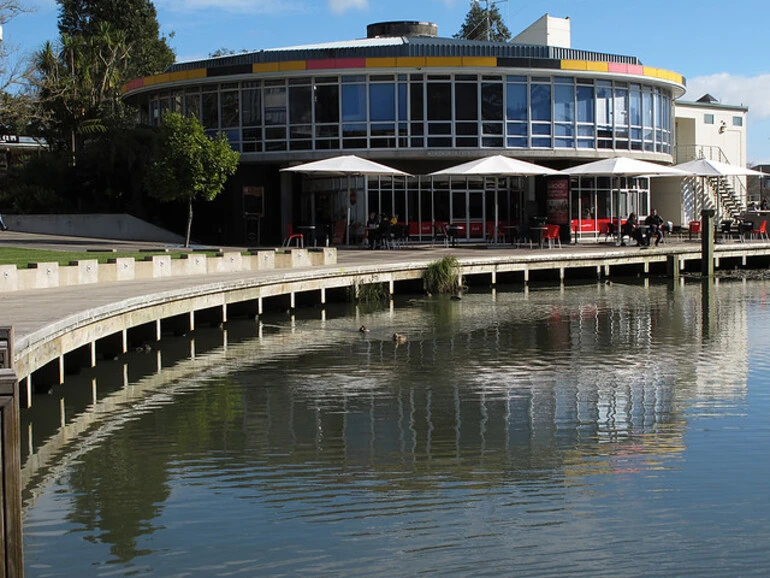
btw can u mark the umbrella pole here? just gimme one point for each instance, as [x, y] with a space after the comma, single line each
[619, 240]
[347, 221]
[496, 213]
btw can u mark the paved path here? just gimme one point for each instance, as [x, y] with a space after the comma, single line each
[31, 311]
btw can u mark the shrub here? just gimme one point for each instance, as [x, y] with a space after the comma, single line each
[443, 276]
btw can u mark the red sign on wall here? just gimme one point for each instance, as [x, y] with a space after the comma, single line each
[557, 200]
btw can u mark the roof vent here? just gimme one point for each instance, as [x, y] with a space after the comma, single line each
[401, 28]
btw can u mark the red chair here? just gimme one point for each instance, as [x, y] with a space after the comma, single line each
[694, 229]
[291, 236]
[551, 234]
[761, 232]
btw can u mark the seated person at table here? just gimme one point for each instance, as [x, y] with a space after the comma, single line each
[631, 230]
[654, 223]
[372, 225]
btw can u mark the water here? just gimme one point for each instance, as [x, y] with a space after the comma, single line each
[604, 430]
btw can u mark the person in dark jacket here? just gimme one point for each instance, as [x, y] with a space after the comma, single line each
[654, 223]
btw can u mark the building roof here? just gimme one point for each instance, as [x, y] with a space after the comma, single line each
[404, 46]
[711, 105]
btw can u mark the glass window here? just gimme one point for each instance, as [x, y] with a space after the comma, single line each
[416, 101]
[382, 102]
[403, 110]
[516, 107]
[491, 101]
[621, 107]
[708, 118]
[229, 109]
[585, 103]
[353, 102]
[541, 101]
[737, 121]
[466, 101]
[564, 103]
[604, 104]
[251, 107]
[647, 111]
[636, 108]
[300, 104]
[439, 101]
[275, 105]
[327, 103]
[192, 105]
[210, 110]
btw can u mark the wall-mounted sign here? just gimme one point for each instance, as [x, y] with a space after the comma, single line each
[557, 200]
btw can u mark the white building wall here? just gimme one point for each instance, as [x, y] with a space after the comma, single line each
[726, 133]
[546, 31]
[710, 130]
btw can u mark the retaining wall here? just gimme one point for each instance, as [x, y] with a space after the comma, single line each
[88, 271]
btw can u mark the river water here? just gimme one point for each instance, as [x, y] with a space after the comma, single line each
[609, 429]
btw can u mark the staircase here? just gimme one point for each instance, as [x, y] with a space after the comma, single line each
[729, 201]
[717, 193]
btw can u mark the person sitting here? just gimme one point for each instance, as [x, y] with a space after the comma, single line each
[372, 229]
[654, 223]
[631, 230]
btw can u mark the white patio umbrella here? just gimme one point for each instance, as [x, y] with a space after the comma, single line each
[709, 168]
[495, 166]
[349, 166]
[617, 167]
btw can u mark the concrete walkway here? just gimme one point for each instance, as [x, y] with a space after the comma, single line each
[42, 315]
[30, 311]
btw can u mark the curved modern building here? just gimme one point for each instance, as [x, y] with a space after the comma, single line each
[407, 98]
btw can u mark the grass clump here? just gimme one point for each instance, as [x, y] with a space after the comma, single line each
[369, 293]
[443, 276]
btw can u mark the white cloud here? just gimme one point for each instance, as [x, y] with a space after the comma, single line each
[734, 90]
[342, 6]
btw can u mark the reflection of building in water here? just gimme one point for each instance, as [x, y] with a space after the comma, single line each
[540, 379]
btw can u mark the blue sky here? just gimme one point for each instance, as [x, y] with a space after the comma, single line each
[721, 47]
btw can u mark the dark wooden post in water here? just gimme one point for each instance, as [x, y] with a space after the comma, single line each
[707, 242]
[10, 461]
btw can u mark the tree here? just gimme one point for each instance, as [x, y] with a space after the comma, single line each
[79, 83]
[484, 23]
[137, 19]
[189, 164]
[13, 71]
[226, 52]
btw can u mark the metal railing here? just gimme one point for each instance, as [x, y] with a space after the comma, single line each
[729, 193]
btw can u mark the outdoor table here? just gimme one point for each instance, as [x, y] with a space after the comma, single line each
[454, 230]
[539, 231]
[513, 232]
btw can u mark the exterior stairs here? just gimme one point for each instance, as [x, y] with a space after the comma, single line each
[728, 200]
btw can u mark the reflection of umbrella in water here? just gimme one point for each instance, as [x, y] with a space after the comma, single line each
[495, 166]
[709, 168]
[349, 166]
[623, 167]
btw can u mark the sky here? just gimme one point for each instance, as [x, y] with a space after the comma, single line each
[719, 46]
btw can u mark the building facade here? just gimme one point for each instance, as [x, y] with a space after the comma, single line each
[407, 98]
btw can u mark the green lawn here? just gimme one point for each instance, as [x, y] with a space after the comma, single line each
[23, 257]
